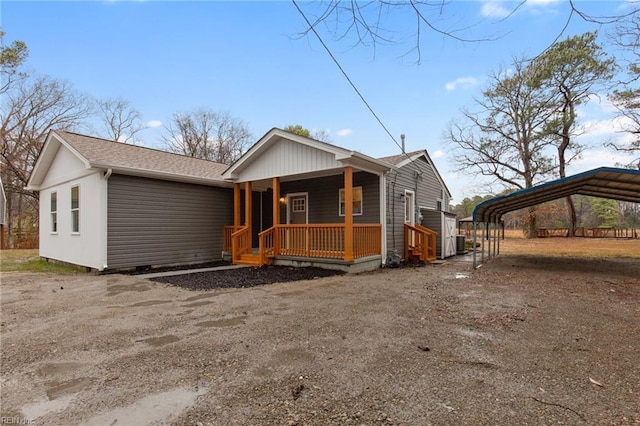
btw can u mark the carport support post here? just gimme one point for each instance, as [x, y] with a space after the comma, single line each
[495, 237]
[475, 238]
[348, 214]
[489, 239]
[482, 245]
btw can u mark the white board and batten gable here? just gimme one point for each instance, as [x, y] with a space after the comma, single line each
[285, 155]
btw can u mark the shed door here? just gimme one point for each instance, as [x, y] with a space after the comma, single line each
[297, 209]
[449, 236]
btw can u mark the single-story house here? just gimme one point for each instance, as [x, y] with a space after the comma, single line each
[288, 200]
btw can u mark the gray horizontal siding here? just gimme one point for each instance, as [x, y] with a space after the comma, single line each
[428, 191]
[154, 222]
[324, 193]
[433, 220]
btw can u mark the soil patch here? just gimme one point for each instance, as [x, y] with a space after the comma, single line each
[245, 277]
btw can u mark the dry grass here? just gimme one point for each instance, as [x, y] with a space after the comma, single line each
[576, 247]
[28, 260]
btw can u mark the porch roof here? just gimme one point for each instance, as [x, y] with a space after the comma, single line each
[289, 156]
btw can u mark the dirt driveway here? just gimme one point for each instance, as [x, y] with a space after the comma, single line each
[520, 341]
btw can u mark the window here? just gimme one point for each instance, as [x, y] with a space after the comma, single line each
[298, 205]
[357, 201]
[54, 212]
[409, 207]
[75, 209]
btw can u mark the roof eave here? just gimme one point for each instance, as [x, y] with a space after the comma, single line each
[130, 171]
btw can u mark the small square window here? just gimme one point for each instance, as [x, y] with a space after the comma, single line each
[299, 205]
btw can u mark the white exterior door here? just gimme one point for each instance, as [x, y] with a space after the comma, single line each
[297, 209]
[449, 236]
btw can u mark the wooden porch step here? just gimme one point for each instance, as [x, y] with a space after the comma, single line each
[249, 259]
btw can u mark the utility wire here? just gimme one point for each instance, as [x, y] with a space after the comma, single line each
[312, 27]
[344, 73]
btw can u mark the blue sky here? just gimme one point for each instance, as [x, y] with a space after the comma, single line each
[246, 58]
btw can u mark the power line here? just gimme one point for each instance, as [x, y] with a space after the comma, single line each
[312, 27]
[344, 73]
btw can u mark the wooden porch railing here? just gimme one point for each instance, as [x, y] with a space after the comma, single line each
[318, 240]
[240, 243]
[419, 241]
[227, 231]
[367, 240]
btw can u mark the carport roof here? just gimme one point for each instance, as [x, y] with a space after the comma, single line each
[603, 182]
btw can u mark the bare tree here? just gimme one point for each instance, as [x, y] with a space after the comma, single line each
[207, 134]
[121, 122]
[506, 139]
[627, 97]
[319, 135]
[374, 23]
[31, 107]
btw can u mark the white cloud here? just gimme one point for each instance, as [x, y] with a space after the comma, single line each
[541, 2]
[154, 123]
[461, 83]
[438, 154]
[494, 9]
[344, 132]
[497, 9]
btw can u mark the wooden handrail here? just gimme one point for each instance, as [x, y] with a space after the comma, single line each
[421, 241]
[267, 245]
[240, 243]
[226, 237]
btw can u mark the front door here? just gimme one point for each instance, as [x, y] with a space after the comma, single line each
[297, 209]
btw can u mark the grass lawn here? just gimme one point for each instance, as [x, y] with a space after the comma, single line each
[575, 247]
[29, 261]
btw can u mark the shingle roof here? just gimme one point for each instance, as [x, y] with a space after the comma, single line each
[104, 153]
[397, 159]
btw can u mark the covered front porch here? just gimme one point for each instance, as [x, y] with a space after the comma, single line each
[292, 238]
[319, 205]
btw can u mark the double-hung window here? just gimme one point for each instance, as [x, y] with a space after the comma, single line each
[357, 201]
[54, 212]
[75, 209]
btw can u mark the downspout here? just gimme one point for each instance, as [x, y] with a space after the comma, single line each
[105, 217]
[383, 217]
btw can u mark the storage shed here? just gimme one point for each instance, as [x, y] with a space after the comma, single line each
[444, 223]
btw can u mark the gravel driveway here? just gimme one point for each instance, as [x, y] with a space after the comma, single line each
[522, 340]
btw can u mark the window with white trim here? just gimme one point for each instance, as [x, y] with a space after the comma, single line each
[299, 205]
[54, 212]
[357, 201]
[75, 209]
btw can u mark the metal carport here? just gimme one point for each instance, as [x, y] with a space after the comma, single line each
[603, 182]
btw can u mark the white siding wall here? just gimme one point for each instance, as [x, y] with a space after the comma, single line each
[85, 248]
